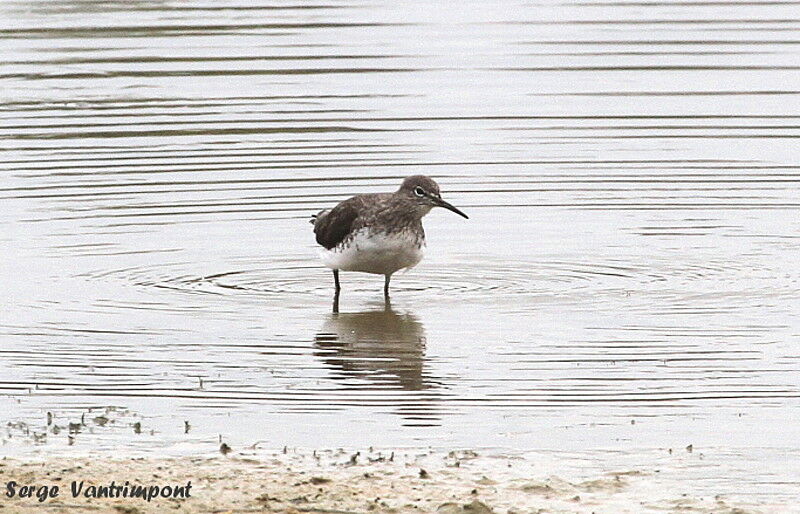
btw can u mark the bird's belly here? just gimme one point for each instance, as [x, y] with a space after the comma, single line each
[378, 253]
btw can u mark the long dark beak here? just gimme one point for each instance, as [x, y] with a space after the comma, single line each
[446, 205]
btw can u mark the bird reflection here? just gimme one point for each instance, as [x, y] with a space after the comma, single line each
[382, 346]
[380, 349]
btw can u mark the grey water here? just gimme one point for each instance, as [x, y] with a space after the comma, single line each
[628, 278]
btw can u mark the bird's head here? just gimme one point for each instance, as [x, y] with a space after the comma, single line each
[424, 193]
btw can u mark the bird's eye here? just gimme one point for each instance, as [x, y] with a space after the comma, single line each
[419, 191]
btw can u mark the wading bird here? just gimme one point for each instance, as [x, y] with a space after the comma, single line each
[378, 233]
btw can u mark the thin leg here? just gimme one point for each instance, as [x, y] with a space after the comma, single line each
[386, 286]
[336, 291]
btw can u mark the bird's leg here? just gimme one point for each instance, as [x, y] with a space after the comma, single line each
[386, 287]
[336, 291]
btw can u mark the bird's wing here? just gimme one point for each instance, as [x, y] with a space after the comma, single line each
[331, 227]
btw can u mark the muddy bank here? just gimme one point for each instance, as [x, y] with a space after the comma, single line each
[339, 481]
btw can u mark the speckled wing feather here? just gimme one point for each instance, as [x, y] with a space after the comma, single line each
[333, 226]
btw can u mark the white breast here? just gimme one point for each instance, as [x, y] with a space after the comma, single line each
[378, 253]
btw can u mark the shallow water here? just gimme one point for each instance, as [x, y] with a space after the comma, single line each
[628, 278]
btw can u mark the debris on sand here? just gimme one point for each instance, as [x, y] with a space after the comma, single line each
[258, 480]
[474, 507]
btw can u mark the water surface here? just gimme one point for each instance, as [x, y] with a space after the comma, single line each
[627, 279]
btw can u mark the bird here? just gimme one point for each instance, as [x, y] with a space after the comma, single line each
[378, 233]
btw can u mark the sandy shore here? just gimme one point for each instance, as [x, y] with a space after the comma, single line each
[337, 481]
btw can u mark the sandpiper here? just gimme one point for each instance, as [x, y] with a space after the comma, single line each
[378, 233]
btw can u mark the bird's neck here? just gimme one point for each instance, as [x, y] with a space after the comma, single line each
[400, 215]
